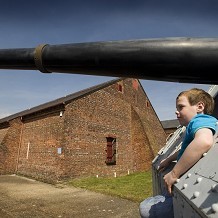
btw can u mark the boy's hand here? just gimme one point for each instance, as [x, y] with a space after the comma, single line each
[169, 179]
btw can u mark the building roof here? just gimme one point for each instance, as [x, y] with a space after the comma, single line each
[168, 124]
[60, 101]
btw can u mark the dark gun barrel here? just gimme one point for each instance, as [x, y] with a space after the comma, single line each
[187, 60]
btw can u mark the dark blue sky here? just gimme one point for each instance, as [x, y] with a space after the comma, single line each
[26, 24]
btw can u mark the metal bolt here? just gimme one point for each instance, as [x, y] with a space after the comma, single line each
[214, 208]
[199, 179]
[214, 188]
[189, 175]
[196, 194]
[185, 186]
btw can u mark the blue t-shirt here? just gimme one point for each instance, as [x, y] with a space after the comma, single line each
[198, 122]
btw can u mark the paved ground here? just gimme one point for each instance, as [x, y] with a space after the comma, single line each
[25, 198]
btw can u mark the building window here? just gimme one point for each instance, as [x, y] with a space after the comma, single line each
[111, 151]
[120, 88]
[135, 84]
[147, 104]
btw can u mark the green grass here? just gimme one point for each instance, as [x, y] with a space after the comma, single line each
[135, 187]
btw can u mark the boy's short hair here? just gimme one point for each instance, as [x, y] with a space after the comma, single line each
[196, 95]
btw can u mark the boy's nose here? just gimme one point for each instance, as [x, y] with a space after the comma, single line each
[177, 114]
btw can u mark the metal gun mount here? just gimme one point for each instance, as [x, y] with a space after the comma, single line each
[196, 192]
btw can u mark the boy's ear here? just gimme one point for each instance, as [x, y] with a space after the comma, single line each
[200, 107]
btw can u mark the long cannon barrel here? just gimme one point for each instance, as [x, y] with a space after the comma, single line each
[187, 60]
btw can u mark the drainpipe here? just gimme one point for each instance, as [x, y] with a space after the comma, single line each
[19, 145]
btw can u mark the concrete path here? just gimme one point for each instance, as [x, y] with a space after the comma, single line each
[25, 198]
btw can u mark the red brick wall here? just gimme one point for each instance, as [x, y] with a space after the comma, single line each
[3, 150]
[2, 134]
[127, 115]
[89, 121]
[41, 139]
[10, 147]
[143, 153]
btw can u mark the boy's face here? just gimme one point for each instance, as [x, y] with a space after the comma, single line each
[185, 112]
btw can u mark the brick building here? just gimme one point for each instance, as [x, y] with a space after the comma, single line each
[106, 130]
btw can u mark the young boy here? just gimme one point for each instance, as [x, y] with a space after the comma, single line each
[194, 109]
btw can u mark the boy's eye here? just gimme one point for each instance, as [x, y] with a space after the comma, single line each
[180, 107]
